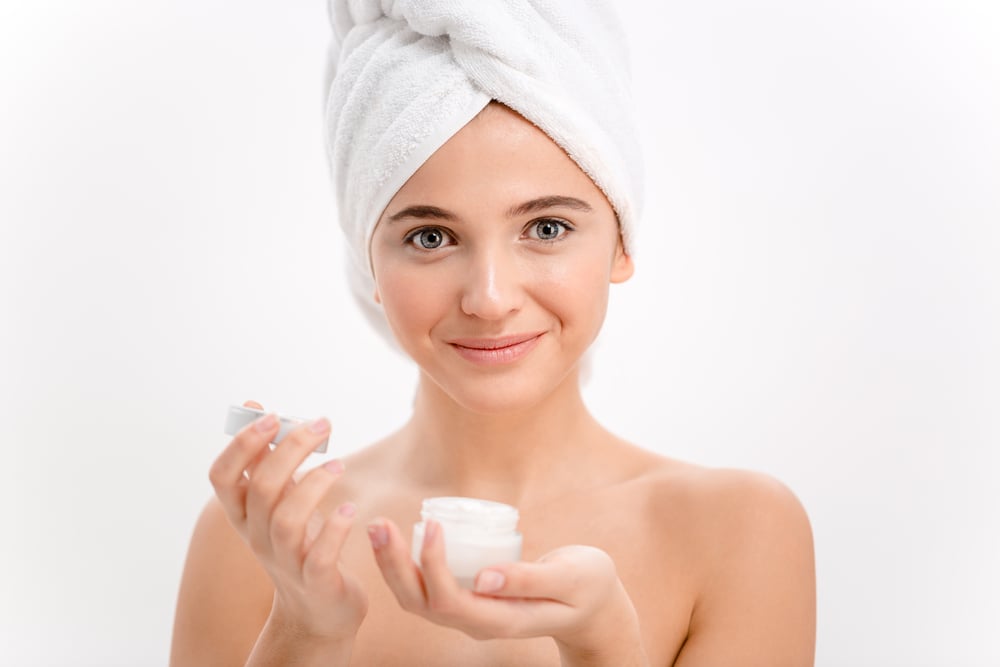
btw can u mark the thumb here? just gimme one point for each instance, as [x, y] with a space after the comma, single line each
[556, 576]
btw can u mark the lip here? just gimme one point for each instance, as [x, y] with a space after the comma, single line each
[496, 351]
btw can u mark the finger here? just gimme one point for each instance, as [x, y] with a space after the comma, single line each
[528, 597]
[256, 406]
[271, 476]
[248, 471]
[559, 575]
[226, 473]
[442, 589]
[398, 569]
[291, 517]
[481, 616]
[320, 563]
[522, 580]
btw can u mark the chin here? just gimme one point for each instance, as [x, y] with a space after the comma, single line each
[494, 401]
[504, 393]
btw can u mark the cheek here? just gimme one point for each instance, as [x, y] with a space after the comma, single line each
[410, 299]
[576, 290]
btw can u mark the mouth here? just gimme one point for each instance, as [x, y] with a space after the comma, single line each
[496, 351]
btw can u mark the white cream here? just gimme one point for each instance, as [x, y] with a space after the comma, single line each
[477, 534]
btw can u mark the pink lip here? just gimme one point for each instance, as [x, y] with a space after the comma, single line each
[495, 351]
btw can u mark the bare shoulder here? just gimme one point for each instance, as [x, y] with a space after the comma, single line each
[737, 501]
[745, 542]
[225, 595]
[723, 512]
[722, 503]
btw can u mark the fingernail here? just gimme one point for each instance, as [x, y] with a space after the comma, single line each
[313, 526]
[430, 530]
[378, 535]
[334, 467]
[265, 423]
[319, 426]
[489, 581]
[347, 509]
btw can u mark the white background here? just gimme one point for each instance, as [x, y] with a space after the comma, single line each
[817, 295]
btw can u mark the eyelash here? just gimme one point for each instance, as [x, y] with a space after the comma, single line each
[566, 229]
[411, 238]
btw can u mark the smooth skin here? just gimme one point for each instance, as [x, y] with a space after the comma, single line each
[630, 559]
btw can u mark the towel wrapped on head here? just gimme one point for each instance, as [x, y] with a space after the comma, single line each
[409, 74]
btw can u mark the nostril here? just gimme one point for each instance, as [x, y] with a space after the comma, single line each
[489, 302]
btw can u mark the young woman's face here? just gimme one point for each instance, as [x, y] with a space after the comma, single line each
[493, 263]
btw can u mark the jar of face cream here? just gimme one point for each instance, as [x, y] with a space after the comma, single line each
[477, 534]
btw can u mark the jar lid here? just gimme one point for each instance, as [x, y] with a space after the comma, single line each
[487, 514]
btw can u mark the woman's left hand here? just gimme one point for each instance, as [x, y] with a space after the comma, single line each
[572, 594]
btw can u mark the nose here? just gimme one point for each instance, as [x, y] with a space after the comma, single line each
[493, 288]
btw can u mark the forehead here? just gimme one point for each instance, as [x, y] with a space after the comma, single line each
[496, 158]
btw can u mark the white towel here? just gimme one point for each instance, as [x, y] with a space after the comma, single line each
[406, 75]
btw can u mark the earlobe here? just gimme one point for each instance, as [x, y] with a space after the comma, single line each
[378, 299]
[623, 267]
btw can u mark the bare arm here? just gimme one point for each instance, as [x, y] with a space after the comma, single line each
[225, 596]
[758, 607]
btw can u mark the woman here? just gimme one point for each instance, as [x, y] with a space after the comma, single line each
[490, 260]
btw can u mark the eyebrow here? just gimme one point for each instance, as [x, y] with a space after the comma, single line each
[422, 211]
[551, 201]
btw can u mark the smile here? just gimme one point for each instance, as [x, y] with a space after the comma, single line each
[496, 351]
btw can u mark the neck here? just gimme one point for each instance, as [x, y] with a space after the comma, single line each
[521, 458]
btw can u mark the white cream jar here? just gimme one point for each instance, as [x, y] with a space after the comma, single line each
[477, 534]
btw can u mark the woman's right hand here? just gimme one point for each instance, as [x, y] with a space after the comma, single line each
[279, 518]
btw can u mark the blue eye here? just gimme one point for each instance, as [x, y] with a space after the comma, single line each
[548, 229]
[429, 238]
